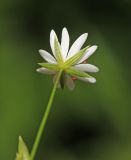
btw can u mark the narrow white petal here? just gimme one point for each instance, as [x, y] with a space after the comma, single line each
[69, 82]
[86, 68]
[64, 42]
[45, 71]
[89, 52]
[47, 56]
[77, 45]
[52, 41]
[91, 80]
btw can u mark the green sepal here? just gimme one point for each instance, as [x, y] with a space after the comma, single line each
[75, 72]
[62, 80]
[58, 53]
[73, 60]
[23, 153]
[49, 66]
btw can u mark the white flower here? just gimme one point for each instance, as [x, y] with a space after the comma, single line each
[70, 61]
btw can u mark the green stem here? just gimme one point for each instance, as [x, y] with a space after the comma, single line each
[44, 119]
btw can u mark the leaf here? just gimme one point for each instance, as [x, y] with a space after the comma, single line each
[23, 153]
[58, 51]
[73, 60]
[49, 66]
[77, 73]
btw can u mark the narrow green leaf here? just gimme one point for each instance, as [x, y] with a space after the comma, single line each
[77, 73]
[49, 66]
[23, 153]
[58, 51]
[73, 60]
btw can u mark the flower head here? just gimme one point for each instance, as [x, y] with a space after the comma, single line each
[70, 61]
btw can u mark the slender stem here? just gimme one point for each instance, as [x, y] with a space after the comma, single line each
[44, 119]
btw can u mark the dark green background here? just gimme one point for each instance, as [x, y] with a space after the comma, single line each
[94, 121]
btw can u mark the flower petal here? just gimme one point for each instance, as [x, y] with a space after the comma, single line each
[89, 52]
[65, 43]
[47, 56]
[90, 80]
[77, 45]
[52, 41]
[69, 83]
[45, 71]
[86, 67]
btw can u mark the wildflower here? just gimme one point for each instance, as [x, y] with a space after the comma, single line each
[70, 61]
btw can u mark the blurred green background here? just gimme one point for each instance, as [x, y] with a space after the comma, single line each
[94, 121]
